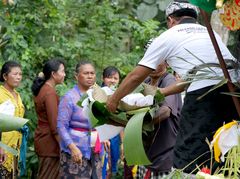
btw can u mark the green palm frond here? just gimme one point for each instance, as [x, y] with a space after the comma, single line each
[221, 83]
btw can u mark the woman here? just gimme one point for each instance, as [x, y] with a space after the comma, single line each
[111, 78]
[11, 76]
[80, 145]
[46, 100]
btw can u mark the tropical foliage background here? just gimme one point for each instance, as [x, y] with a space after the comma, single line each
[108, 32]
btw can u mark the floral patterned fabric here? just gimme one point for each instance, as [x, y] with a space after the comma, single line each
[70, 116]
[89, 169]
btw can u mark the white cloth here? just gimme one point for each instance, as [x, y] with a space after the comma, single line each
[108, 131]
[228, 139]
[174, 45]
[93, 138]
[138, 99]
[7, 108]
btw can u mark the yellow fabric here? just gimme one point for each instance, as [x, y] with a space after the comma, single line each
[134, 171]
[13, 138]
[217, 152]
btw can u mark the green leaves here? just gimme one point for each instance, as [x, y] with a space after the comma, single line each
[207, 5]
[10, 123]
[9, 149]
[133, 146]
[146, 12]
[140, 121]
[159, 97]
[221, 83]
[99, 115]
[83, 97]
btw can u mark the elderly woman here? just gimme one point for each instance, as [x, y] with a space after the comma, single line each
[79, 144]
[11, 77]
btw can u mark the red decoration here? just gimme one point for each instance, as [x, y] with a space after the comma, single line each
[206, 170]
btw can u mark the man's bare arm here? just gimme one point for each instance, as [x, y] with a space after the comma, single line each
[175, 88]
[133, 79]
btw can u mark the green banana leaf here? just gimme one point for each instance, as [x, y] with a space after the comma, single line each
[99, 115]
[10, 123]
[207, 5]
[236, 94]
[140, 121]
[132, 143]
[159, 97]
[9, 149]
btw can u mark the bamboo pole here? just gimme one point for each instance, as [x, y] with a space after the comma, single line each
[221, 60]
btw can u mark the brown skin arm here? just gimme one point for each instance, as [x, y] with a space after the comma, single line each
[3, 156]
[161, 114]
[133, 79]
[174, 88]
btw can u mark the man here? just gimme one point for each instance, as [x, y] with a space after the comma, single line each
[183, 46]
[166, 123]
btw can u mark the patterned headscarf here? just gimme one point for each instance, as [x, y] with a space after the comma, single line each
[173, 7]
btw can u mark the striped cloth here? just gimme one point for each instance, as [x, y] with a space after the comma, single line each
[48, 167]
[145, 173]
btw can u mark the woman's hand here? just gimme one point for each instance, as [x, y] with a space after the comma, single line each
[3, 156]
[106, 144]
[75, 153]
[121, 152]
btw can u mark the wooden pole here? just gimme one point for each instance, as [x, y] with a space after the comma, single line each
[221, 60]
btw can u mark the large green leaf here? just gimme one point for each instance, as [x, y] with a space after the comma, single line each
[207, 5]
[10, 123]
[133, 146]
[98, 114]
[146, 12]
[120, 118]
[83, 97]
[163, 4]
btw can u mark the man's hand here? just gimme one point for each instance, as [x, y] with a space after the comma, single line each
[3, 156]
[161, 114]
[112, 104]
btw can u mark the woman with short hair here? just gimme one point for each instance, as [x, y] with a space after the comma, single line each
[80, 145]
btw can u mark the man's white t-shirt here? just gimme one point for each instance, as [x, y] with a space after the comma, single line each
[183, 47]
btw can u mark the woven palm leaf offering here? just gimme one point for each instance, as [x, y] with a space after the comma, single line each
[135, 113]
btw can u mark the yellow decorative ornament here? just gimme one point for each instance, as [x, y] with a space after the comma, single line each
[230, 14]
[219, 4]
[224, 139]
